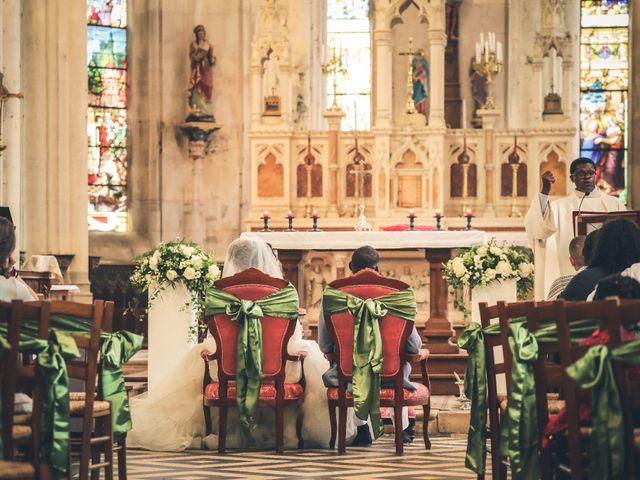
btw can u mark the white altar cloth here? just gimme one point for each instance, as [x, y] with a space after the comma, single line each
[379, 240]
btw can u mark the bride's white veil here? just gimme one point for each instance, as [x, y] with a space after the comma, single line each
[244, 253]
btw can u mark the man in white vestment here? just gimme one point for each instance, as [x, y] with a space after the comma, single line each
[549, 224]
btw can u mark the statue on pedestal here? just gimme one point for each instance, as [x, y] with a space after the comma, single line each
[201, 80]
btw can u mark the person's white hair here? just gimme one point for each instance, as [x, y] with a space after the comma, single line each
[244, 253]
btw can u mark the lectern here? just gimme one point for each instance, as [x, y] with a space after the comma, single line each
[585, 222]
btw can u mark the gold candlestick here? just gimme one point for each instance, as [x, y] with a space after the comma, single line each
[488, 63]
[334, 67]
[463, 160]
[514, 163]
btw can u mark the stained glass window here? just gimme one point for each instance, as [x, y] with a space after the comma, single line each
[349, 35]
[604, 84]
[107, 114]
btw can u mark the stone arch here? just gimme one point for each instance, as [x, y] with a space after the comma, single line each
[393, 14]
[553, 163]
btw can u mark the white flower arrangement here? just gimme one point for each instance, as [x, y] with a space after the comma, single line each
[174, 262]
[484, 264]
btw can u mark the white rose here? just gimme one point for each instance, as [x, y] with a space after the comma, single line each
[497, 251]
[153, 264]
[189, 273]
[503, 268]
[477, 261]
[172, 275]
[482, 251]
[458, 267]
[197, 262]
[214, 271]
[525, 269]
[490, 274]
[187, 251]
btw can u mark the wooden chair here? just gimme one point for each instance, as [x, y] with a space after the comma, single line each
[252, 284]
[85, 405]
[628, 385]
[395, 332]
[605, 311]
[24, 433]
[494, 368]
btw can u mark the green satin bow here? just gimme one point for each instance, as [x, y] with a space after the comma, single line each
[367, 351]
[594, 371]
[519, 432]
[55, 400]
[115, 350]
[247, 313]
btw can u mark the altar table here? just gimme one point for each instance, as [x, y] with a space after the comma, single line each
[437, 245]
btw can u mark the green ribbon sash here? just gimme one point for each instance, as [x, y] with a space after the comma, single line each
[475, 388]
[367, 351]
[247, 313]
[115, 350]
[594, 371]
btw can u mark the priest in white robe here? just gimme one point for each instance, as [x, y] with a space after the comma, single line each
[549, 224]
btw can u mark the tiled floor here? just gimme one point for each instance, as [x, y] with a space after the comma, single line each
[444, 461]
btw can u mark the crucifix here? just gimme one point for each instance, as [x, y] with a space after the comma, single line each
[410, 53]
[4, 96]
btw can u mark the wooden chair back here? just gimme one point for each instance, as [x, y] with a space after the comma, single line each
[394, 330]
[253, 285]
[627, 380]
[21, 376]
[605, 312]
[84, 368]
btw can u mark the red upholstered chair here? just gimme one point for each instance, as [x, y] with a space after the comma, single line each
[395, 332]
[253, 285]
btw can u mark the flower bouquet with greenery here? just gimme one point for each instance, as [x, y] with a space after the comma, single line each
[480, 265]
[174, 262]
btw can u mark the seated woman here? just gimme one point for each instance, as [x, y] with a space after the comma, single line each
[171, 417]
[12, 287]
[617, 248]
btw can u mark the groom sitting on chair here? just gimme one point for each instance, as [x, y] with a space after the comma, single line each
[362, 258]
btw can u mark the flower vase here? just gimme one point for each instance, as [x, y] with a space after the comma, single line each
[499, 290]
[172, 318]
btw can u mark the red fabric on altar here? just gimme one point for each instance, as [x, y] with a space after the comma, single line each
[402, 227]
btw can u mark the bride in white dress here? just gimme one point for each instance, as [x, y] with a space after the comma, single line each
[171, 417]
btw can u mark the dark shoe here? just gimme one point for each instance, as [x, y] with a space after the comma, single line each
[408, 434]
[363, 437]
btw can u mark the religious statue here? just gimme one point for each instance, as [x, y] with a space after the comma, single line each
[420, 69]
[201, 81]
[315, 283]
[479, 88]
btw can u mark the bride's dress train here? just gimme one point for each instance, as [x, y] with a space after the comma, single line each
[171, 417]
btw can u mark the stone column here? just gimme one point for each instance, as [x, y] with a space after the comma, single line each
[256, 101]
[437, 43]
[537, 93]
[55, 148]
[11, 157]
[488, 122]
[333, 123]
[384, 77]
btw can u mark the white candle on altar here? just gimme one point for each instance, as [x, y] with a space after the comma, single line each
[500, 52]
[553, 68]
[478, 52]
[464, 114]
[481, 38]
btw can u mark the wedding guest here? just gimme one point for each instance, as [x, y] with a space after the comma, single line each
[12, 287]
[617, 248]
[170, 418]
[362, 258]
[577, 261]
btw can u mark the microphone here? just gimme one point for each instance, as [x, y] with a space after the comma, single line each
[579, 210]
[582, 200]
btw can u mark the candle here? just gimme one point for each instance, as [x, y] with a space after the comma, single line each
[438, 214]
[412, 213]
[290, 214]
[477, 52]
[265, 214]
[481, 38]
[464, 114]
[315, 214]
[469, 213]
[500, 52]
